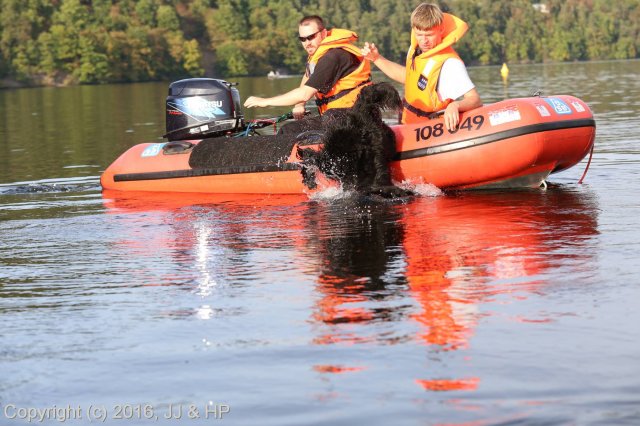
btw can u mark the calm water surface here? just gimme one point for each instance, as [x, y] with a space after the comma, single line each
[485, 308]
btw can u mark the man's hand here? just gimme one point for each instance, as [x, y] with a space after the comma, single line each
[254, 101]
[298, 111]
[370, 51]
[394, 71]
[469, 101]
[451, 116]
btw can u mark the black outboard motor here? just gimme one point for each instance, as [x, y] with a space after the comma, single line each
[202, 107]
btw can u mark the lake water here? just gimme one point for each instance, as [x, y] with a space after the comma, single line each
[479, 308]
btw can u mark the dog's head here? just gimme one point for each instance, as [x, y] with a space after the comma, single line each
[382, 95]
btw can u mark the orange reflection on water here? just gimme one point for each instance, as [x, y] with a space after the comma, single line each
[452, 255]
[461, 253]
[196, 237]
[339, 305]
[470, 249]
[468, 384]
[335, 369]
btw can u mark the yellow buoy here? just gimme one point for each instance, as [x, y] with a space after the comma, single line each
[504, 71]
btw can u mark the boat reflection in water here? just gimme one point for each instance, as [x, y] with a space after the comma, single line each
[419, 272]
[203, 239]
[452, 254]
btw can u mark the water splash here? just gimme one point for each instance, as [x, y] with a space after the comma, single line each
[330, 193]
[421, 188]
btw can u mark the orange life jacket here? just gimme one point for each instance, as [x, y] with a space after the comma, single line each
[344, 93]
[423, 72]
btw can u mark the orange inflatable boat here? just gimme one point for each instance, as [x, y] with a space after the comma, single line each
[509, 144]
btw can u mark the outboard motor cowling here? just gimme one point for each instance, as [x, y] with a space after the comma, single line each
[202, 107]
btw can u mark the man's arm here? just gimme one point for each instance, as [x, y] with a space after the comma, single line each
[469, 101]
[455, 84]
[392, 70]
[299, 109]
[296, 96]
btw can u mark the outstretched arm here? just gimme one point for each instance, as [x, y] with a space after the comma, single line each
[394, 71]
[296, 96]
[299, 109]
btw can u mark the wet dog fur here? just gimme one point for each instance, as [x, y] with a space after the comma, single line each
[357, 145]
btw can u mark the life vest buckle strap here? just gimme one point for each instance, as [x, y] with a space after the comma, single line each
[325, 101]
[419, 112]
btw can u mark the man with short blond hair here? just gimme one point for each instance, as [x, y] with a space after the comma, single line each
[426, 16]
[434, 77]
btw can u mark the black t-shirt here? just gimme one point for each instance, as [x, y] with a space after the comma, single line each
[334, 65]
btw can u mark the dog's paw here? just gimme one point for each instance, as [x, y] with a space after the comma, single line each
[390, 191]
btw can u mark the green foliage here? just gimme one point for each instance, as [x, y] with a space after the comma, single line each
[191, 58]
[99, 41]
[146, 12]
[233, 59]
[167, 18]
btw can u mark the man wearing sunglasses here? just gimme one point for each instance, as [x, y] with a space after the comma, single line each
[336, 72]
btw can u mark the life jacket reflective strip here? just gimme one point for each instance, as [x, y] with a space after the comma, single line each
[346, 90]
[423, 72]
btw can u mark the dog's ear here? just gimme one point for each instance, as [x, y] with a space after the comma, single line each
[308, 177]
[309, 158]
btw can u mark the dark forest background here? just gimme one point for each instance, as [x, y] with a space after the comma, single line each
[62, 42]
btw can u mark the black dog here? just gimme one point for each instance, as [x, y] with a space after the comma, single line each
[357, 145]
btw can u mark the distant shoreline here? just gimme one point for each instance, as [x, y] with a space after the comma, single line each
[9, 83]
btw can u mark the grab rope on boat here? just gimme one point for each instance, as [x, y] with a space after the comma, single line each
[264, 122]
[588, 163]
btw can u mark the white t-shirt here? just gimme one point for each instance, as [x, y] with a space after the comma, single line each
[454, 80]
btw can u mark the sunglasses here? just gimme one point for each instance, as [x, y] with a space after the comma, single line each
[310, 37]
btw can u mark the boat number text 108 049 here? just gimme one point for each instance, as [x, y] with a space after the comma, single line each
[435, 131]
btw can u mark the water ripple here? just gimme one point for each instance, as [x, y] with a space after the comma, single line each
[55, 185]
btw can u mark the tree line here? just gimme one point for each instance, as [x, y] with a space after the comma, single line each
[62, 42]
